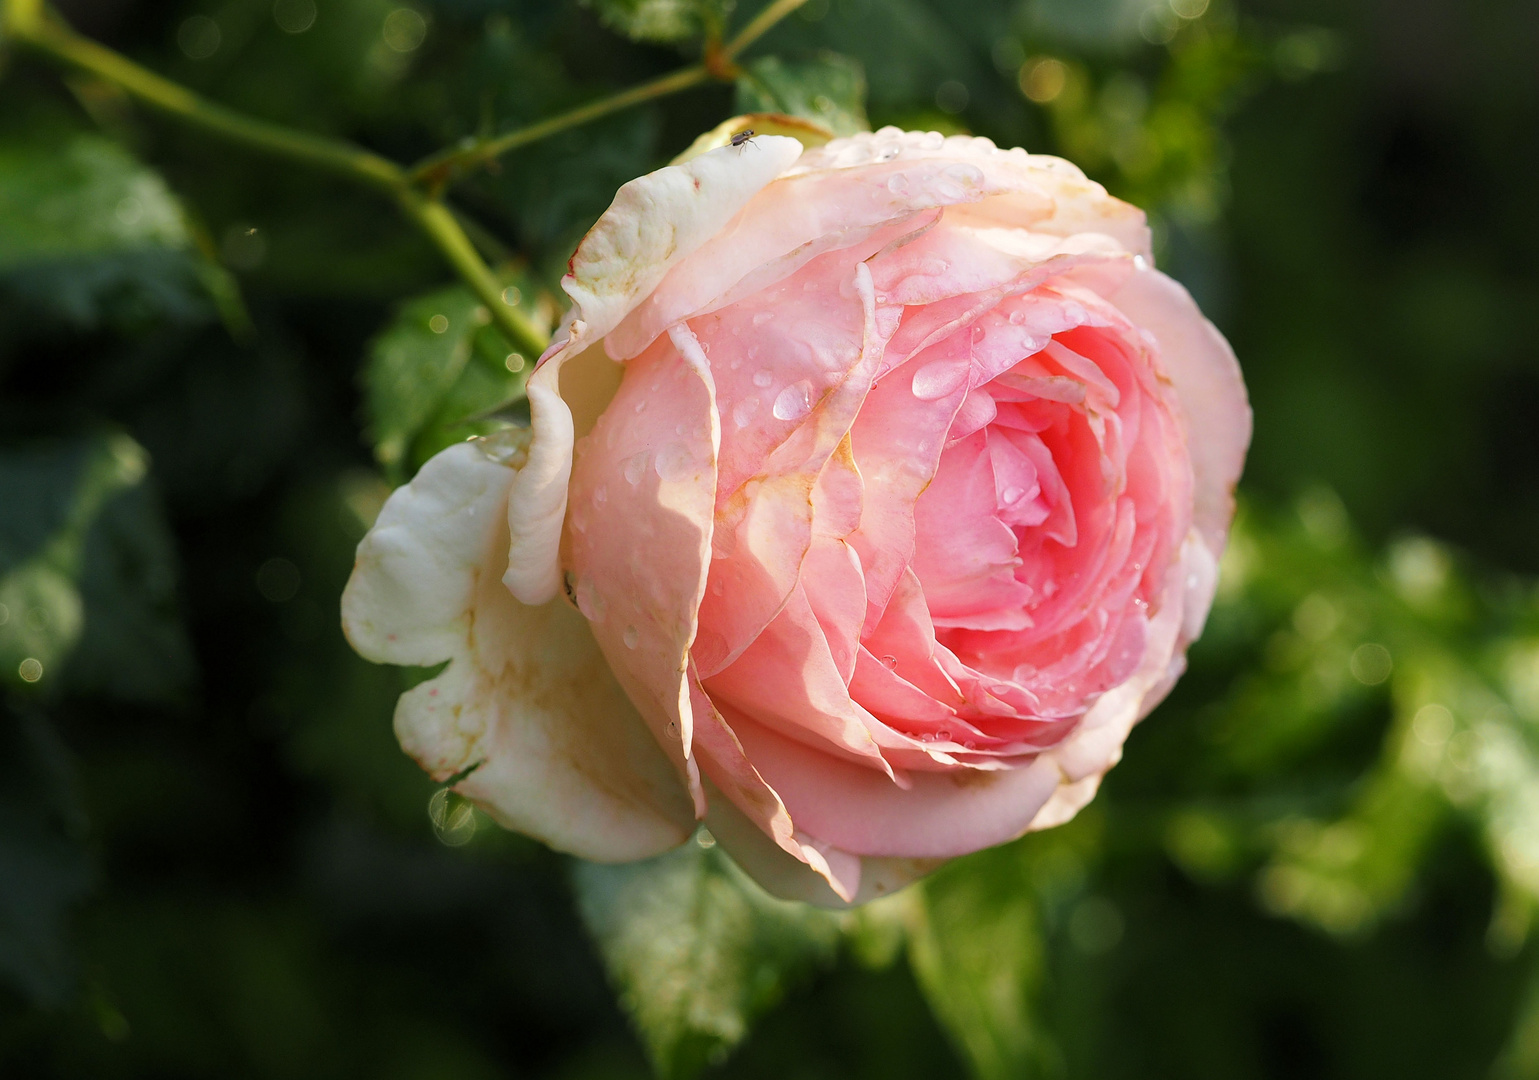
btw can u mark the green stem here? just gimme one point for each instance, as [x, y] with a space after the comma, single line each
[435, 219]
[28, 25]
[441, 166]
[759, 25]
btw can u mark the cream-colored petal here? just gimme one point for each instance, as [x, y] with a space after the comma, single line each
[1032, 191]
[654, 221]
[559, 751]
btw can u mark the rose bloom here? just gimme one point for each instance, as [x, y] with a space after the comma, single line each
[874, 491]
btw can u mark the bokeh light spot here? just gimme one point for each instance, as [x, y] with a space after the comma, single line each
[1043, 78]
[1371, 664]
[198, 37]
[404, 30]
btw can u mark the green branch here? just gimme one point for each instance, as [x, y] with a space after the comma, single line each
[435, 219]
[719, 63]
[442, 166]
[27, 23]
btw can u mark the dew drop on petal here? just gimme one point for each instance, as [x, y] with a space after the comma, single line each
[794, 402]
[631, 637]
[1011, 495]
[673, 729]
[742, 412]
[600, 495]
[763, 317]
[763, 378]
[890, 662]
[897, 183]
[635, 466]
[964, 174]
[675, 462]
[978, 333]
[939, 378]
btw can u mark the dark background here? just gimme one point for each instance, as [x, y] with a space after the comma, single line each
[215, 862]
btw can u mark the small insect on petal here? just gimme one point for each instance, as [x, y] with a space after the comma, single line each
[741, 137]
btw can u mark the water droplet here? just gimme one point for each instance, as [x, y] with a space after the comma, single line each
[966, 175]
[794, 402]
[763, 378]
[943, 735]
[939, 378]
[508, 447]
[890, 662]
[1011, 495]
[1140, 263]
[640, 405]
[742, 412]
[672, 729]
[635, 465]
[979, 333]
[897, 183]
[631, 637]
[600, 495]
[763, 317]
[675, 462]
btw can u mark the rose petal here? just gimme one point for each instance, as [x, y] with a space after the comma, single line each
[782, 874]
[862, 812]
[654, 222]
[527, 697]
[1209, 387]
[640, 532]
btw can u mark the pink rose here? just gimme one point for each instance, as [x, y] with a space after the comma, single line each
[889, 479]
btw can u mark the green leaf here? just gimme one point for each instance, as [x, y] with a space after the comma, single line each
[85, 559]
[976, 948]
[663, 21]
[830, 89]
[93, 236]
[696, 950]
[440, 373]
[44, 869]
[86, 197]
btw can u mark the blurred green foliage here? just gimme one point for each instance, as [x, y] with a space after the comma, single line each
[1320, 858]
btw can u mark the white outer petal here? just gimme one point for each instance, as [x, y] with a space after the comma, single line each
[561, 753]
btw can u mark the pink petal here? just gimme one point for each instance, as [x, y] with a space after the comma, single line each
[864, 813]
[640, 524]
[1209, 387]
